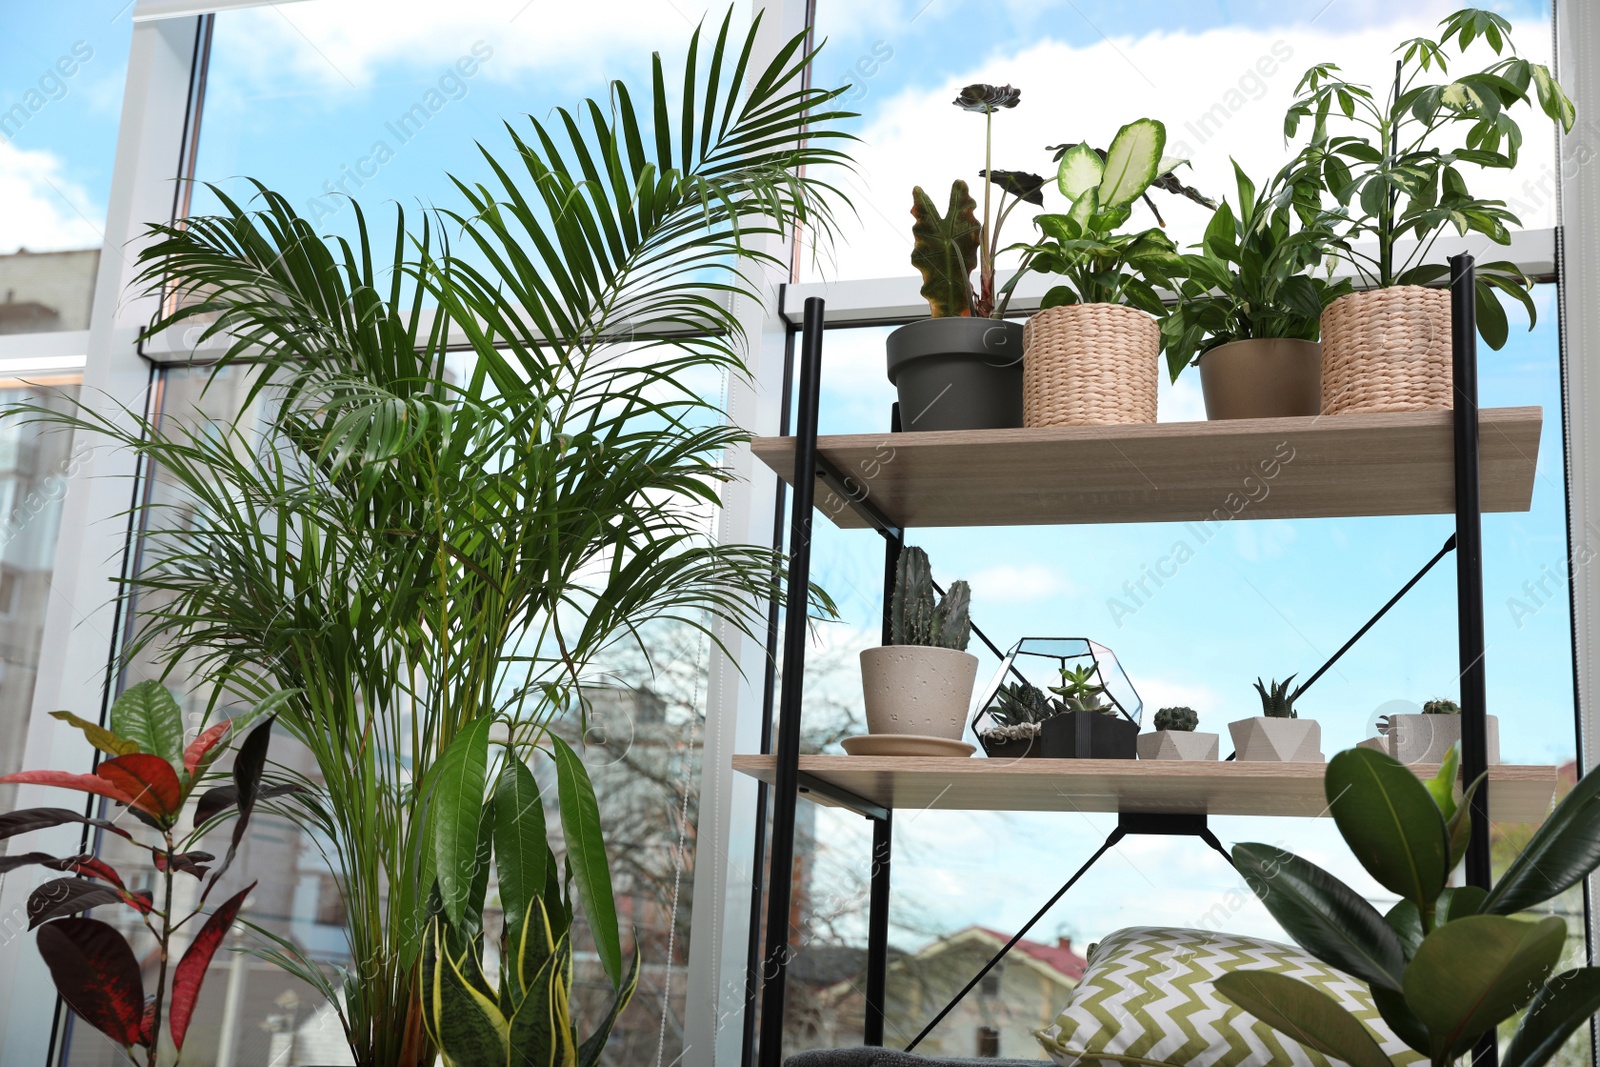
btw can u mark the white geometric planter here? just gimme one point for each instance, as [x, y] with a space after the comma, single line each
[914, 689]
[1427, 738]
[1178, 744]
[1264, 740]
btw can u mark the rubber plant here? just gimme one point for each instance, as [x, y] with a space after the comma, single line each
[152, 772]
[525, 1016]
[1389, 176]
[1446, 964]
[445, 497]
[1098, 264]
[947, 248]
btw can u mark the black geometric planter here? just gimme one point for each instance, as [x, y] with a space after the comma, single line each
[1018, 749]
[1088, 735]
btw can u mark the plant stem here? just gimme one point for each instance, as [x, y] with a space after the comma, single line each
[164, 940]
[985, 259]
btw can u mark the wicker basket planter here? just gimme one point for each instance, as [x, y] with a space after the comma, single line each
[1387, 350]
[1089, 365]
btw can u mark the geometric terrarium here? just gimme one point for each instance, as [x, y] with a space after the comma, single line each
[1059, 697]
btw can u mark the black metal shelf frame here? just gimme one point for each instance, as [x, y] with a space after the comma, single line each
[774, 861]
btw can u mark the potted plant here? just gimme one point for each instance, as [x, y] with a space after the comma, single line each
[920, 684]
[1428, 737]
[152, 772]
[1016, 718]
[1387, 348]
[1090, 354]
[961, 369]
[1089, 726]
[1250, 302]
[1447, 966]
[1278, 734]
[1175, 737]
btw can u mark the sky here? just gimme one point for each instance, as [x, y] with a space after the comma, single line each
[312, 98]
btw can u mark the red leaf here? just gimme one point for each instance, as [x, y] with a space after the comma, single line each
[90, 867]
[191, 970]
[188, 862]
[67, 896]
[148, 1026]
[20, 822]
[141, 901]
[147, 780]
[97, 975]
[203, 744]
[84, 783]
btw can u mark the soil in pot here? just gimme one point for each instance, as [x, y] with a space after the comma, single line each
[1262, 378]
[958, 374]
[914, 689]
[1088, 735]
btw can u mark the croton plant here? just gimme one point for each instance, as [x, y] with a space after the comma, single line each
[153, 771]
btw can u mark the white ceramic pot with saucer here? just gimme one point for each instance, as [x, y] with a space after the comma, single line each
[917, 689]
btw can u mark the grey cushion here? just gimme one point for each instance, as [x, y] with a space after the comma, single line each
[887, 1057]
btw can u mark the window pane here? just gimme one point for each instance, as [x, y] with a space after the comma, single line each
[34, 467]
[62, 68]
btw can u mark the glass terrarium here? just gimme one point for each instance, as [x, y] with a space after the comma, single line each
[1039, 678]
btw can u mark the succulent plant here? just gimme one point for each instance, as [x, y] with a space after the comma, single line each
[915, 618]
[1079, 692]
[1020, 703]
[1441, 706]
[1184, 719]
[1278, 703]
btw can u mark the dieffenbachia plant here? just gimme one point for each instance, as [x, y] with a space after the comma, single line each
[1391, 180]
[947, 248]
[1446, 965]
[1098, 264]
[152, 772]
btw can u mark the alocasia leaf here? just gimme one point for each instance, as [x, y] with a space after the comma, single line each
[945, 249]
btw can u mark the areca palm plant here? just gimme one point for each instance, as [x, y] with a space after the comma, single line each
[419, 542]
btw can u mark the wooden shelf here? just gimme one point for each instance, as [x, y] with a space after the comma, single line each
[1519, 793]
[1315, 467]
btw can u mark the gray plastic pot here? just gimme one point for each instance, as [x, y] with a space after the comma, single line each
[958, 374]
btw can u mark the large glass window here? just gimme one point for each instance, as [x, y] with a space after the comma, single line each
[62, 69]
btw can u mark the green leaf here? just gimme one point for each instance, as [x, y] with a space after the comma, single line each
[1458, 902]
[1406, 921]
[1083, 211]
[458, 785]
[1442, 786]
[520, 846]
[1397, 1013]
[1391, 824]
[1472, 973]
[459, 1008]
[586, 851]
[945, 250]
[147, 715]
[589, 1052]
[1492, 325]
[1562, 1004]
[1304, 1013]
[1080, 171]
[1131, 162]
[1560, 854]
[98, 736]
[1323, 914]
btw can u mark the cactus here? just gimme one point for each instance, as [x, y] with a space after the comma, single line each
[1279, 702]
[1184, 719]
[1079, 692]
[1441, 706]
[1020, 703]
[914, 618]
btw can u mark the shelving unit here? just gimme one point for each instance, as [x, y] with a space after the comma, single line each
[1464, 461]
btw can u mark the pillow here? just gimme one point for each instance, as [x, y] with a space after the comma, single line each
[1147, 993]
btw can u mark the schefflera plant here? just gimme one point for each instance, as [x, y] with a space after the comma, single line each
[1446, 964]
[151, 774]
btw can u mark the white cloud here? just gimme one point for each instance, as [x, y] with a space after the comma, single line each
[337, 45]
[1215, 713]
[41, 209]
[1222, 93]
[1009, 583]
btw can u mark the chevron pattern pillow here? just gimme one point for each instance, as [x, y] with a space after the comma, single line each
[1147, 993]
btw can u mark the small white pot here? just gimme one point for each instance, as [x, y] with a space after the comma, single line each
[913, 689]
[1178, 744]
[1264, 740]
[1427, 738]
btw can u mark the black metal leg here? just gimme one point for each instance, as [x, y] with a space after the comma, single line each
[1469, 581]
[786, 784]
[878, 931]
